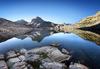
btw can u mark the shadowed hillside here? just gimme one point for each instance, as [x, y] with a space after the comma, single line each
[88, 35]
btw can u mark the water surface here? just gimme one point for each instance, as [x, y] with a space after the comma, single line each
[82, 50]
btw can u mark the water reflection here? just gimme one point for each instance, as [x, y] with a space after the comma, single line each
[91, 36]
[15, 43]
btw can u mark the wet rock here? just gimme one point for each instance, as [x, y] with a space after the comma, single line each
[3, 65]
[52, 52]
[2, 57]
[11, 54]
[77, 66]
[54, 65]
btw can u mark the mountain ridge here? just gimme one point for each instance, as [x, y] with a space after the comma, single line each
[22, 21]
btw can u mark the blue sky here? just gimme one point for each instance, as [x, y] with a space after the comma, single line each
[58, 11]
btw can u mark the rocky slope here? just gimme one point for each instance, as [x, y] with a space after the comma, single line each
[39, 22]
[10, 29]
[89, 21]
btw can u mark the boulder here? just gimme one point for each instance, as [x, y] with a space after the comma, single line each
[3, 65]
[34, 60]
[54, 65]
[21, 57]
[19, 65]
[32, 57]
[11, 54]
[23, 51]
[46, 60]
[52, 52]
[30, 66]
[77, 66]
[12, 61]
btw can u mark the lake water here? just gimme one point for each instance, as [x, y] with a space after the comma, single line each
[82, 50]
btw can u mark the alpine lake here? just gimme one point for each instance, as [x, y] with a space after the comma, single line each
[84, 46]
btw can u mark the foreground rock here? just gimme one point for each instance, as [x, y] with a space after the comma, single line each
[11, 54]
[47, 57]
[54, 65]
[52, 52]
[3, 65]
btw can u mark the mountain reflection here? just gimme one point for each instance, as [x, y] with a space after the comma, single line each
[91, 36]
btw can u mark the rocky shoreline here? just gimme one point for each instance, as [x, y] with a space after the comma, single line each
[46, 57]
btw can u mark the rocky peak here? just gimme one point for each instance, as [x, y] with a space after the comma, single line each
[4, 20]
[37, 20]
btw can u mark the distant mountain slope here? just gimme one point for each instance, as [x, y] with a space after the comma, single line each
[89, 21]
[22, 21]
[10, 29]
[8, 23]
